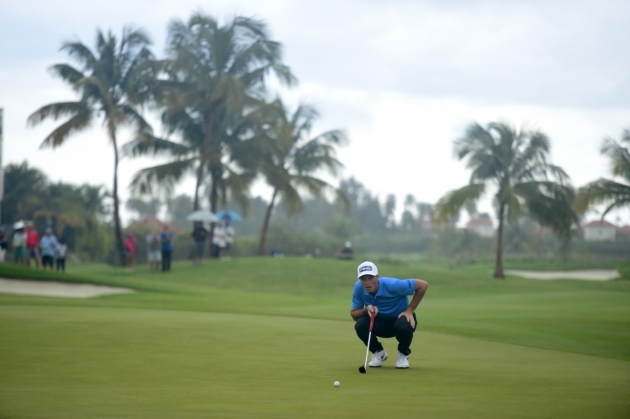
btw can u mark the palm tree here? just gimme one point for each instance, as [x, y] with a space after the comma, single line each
[229, 172]
[215, 75]
[61, 205]
[603, 191]
[23, 184]
[113, 82]
[515, 166]
[292, 158]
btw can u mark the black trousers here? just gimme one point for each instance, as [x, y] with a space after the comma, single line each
[399, 328]
[166, 260]
[61, 264]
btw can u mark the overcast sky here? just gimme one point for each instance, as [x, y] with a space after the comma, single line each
[403, 78]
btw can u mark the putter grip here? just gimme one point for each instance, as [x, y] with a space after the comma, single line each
[372, 321]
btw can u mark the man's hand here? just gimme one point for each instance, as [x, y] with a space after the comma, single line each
[372, 309]
[409, 317]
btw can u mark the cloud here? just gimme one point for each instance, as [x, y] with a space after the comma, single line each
[403, 77]
[551, 54]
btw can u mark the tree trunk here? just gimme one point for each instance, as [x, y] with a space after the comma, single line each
[213, 208]
[263, 232]
[203, 157]
[498, 267]
[120, 246]
[199, 180]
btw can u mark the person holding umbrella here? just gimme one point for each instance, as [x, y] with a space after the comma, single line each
[218, 240]
[199, 233]
[199, 236]
[228, 232]
[229, 239]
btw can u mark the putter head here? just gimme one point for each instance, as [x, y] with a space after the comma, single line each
[362, 369]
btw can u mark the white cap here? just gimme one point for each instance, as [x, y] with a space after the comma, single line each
[367, 268]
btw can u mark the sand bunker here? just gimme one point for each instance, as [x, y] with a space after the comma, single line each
[57, 289]
[587, 275]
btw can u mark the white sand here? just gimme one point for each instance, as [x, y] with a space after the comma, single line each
[57, 289]
[587, 275]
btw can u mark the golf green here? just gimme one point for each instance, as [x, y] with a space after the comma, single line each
[267, 339]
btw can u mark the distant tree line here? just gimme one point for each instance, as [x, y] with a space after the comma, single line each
[82, 214]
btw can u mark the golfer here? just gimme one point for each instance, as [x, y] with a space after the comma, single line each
[394, 314]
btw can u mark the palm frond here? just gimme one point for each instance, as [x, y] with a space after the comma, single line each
[103, 93]
[514, 207]
[67, 73]
[56, 111]
[77, 123]
[148, 145]
[453, 202]
[315, 155]
[81, 53]
[602, 191]
[550, 204]
[163, 177]
[619, 157]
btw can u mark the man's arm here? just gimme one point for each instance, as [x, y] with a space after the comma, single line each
[421, 289]
[357, 301]
[356, 313]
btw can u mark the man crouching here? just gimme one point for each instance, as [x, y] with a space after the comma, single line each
[394, 314]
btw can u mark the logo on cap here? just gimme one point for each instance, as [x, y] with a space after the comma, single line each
[365, 268]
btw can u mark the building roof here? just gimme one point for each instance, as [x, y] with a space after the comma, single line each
[624, 230]
[599, 224]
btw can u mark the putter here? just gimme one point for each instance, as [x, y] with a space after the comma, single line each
[362, 369]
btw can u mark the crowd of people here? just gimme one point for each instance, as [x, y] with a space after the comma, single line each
[49, 252]
[160, 246]
[222, 239]
[28, 247]
[159, 250]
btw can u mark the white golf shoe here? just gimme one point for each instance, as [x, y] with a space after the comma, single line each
[378, 358]
[402, 361]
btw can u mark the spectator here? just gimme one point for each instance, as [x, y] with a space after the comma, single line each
[131, 250]
[346, 253]
[154, 250]
[62, 248]
[166, 237]
[19, 244]
[32, 241]
[47, 244]
[199, 236]
[3, 245]
[218, 240]
[229, 239]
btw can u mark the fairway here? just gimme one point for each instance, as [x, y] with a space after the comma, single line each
[197, 345]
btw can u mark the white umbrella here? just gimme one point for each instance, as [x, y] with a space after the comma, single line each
[203, 216]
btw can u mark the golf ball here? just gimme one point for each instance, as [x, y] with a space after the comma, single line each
[336, 383]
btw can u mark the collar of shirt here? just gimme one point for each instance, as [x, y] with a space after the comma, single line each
[379, 291]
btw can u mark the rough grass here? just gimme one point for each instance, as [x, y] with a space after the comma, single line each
[267, 337]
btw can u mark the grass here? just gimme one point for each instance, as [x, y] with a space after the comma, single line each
[266, 338]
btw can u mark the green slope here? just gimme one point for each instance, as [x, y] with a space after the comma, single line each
[73, 362]
[267, 338]
[576, 316]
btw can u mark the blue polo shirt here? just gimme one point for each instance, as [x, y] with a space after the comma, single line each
[390, 298]
[167, 241]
